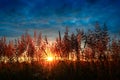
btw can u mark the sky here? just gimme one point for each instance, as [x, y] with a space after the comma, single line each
[49, 16]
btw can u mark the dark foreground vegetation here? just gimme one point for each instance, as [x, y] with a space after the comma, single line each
[90, 55]
[61, 70]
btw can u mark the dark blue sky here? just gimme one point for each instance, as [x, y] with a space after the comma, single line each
[49, 16]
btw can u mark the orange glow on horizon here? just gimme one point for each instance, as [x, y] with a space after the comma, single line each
[49, 58]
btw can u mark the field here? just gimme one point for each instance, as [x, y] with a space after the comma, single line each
[77, 56]
[60, 70]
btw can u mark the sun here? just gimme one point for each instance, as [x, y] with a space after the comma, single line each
[49, 58]
[49, 55]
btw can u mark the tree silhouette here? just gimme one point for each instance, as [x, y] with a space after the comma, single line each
[66, 44]
[3, 47]
[58, 46]
[115, 50]
[10, 51]
[97, 45]
[80, 36]
[90, 42]
[38, 47]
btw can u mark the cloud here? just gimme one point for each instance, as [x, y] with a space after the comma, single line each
[9, 32]
[92, 1]
[49, 16]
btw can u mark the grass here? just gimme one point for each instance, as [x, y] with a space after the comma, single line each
[60, 70]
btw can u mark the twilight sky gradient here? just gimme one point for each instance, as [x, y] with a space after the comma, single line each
[49, 16]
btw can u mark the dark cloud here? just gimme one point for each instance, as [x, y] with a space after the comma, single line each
[49, 16]
[92, 1]
[9, 32]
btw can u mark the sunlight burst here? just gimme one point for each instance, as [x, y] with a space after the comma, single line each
[50, 58]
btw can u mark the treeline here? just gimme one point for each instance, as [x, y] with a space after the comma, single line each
[92, 45]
